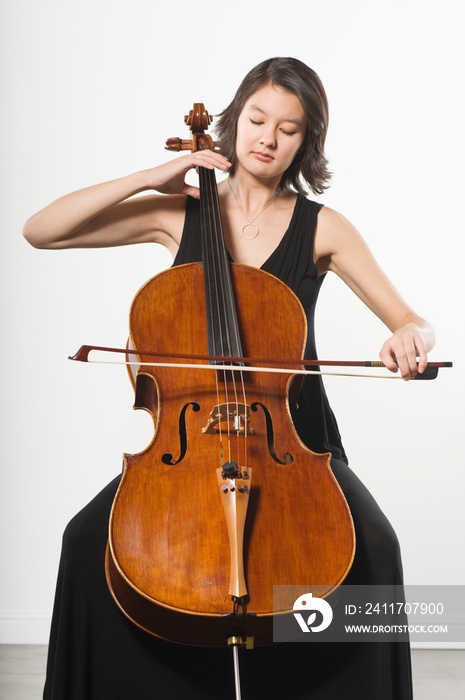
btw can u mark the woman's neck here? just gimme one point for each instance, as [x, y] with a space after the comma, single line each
[251, 194]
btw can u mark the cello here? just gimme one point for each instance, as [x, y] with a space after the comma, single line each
[226, 502]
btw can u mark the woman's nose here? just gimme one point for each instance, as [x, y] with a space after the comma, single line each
[268, 139]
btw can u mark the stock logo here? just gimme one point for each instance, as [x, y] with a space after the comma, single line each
[312, 606]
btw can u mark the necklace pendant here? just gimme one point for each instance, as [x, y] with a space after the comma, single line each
[254, 235]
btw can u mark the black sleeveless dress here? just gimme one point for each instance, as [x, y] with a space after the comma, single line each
[95, 653]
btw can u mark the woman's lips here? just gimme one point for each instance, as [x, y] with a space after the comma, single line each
[263, 157]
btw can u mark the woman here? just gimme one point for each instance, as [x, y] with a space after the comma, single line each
[272, 139]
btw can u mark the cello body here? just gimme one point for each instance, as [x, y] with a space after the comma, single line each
[226, 502]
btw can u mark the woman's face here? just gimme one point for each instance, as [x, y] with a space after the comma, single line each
[270, 131]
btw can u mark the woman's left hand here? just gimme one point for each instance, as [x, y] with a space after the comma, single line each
[406, 351]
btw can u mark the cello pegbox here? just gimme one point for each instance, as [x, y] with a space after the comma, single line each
[198, 120]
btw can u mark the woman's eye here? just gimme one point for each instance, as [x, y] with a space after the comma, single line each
[260, 123]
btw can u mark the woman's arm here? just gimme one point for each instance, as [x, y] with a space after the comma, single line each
[104, 215]
[340, 248]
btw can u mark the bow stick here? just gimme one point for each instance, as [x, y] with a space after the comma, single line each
[276, 365]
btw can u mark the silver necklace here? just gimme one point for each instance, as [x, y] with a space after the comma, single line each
[251, 222]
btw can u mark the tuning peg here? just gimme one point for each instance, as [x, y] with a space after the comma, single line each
[177, 144]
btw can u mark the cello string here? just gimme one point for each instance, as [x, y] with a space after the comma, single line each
[209, 302]
[241, 421]
[229, 311]
[216, 232]
[232, 328]
[215, 297]
[219, 262]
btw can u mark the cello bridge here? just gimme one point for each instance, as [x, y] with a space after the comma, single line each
[229, 416]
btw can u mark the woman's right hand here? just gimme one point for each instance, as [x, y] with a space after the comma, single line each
[169, 178]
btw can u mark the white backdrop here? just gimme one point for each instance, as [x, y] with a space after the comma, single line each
[90, 91]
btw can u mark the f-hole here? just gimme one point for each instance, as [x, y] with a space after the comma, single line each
[287, 457]
[167, 458]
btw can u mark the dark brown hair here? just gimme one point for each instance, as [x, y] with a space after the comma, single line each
[310, 163]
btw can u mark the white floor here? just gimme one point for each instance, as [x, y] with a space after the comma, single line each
[438, 675]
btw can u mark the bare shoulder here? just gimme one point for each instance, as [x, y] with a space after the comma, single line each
[333, 228]
[334, 235]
